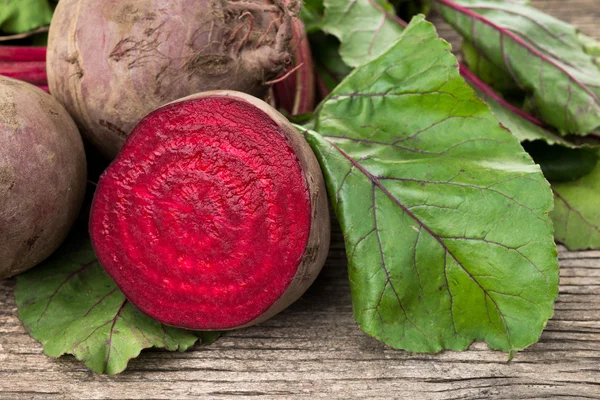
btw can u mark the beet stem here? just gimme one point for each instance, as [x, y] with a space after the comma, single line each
[22, 54]
[32, 72]
[488, 91]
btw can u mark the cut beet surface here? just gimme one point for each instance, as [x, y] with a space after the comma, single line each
[214, 215]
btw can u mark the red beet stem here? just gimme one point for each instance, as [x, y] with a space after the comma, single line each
[22, 54]
[488, 91]
[33, 71]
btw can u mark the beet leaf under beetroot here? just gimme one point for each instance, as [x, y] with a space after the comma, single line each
[542, 54]
[445, 216]
[73, 307]
[18, 16]
[576, 214]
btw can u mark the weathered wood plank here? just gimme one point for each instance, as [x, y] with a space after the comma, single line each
[314, 349]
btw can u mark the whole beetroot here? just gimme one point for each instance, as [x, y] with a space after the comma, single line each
[112, 62]
[42, 175]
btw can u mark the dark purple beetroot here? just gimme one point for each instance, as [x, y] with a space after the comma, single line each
[42, 175]
[214, 215]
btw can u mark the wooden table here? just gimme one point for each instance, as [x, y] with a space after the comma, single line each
[315, 350]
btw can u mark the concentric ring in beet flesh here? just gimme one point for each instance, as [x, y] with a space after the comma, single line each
[214, 215]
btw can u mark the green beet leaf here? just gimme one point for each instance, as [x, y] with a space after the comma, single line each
[365, 28]
[19, 16]
[73, 307]
[445, 217]
[577, 213]
[545, 56]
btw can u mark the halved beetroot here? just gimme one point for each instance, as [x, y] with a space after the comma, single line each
[214, 215]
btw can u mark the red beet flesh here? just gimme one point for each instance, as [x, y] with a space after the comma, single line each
[204, 217]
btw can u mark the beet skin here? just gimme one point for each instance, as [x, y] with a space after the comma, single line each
[214, 215]
[111, 62]
[42, 175]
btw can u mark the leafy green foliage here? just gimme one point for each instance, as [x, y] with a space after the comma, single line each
[576, 214]
[543, 55]
[560, 164]
[18, 16]
[444, 215]
[73, 307]
[365, 28]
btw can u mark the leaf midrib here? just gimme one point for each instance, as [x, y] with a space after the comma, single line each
[62, 284]
[527, 17]
[112, 329]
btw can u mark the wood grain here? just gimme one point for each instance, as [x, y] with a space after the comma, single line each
[315, 350]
